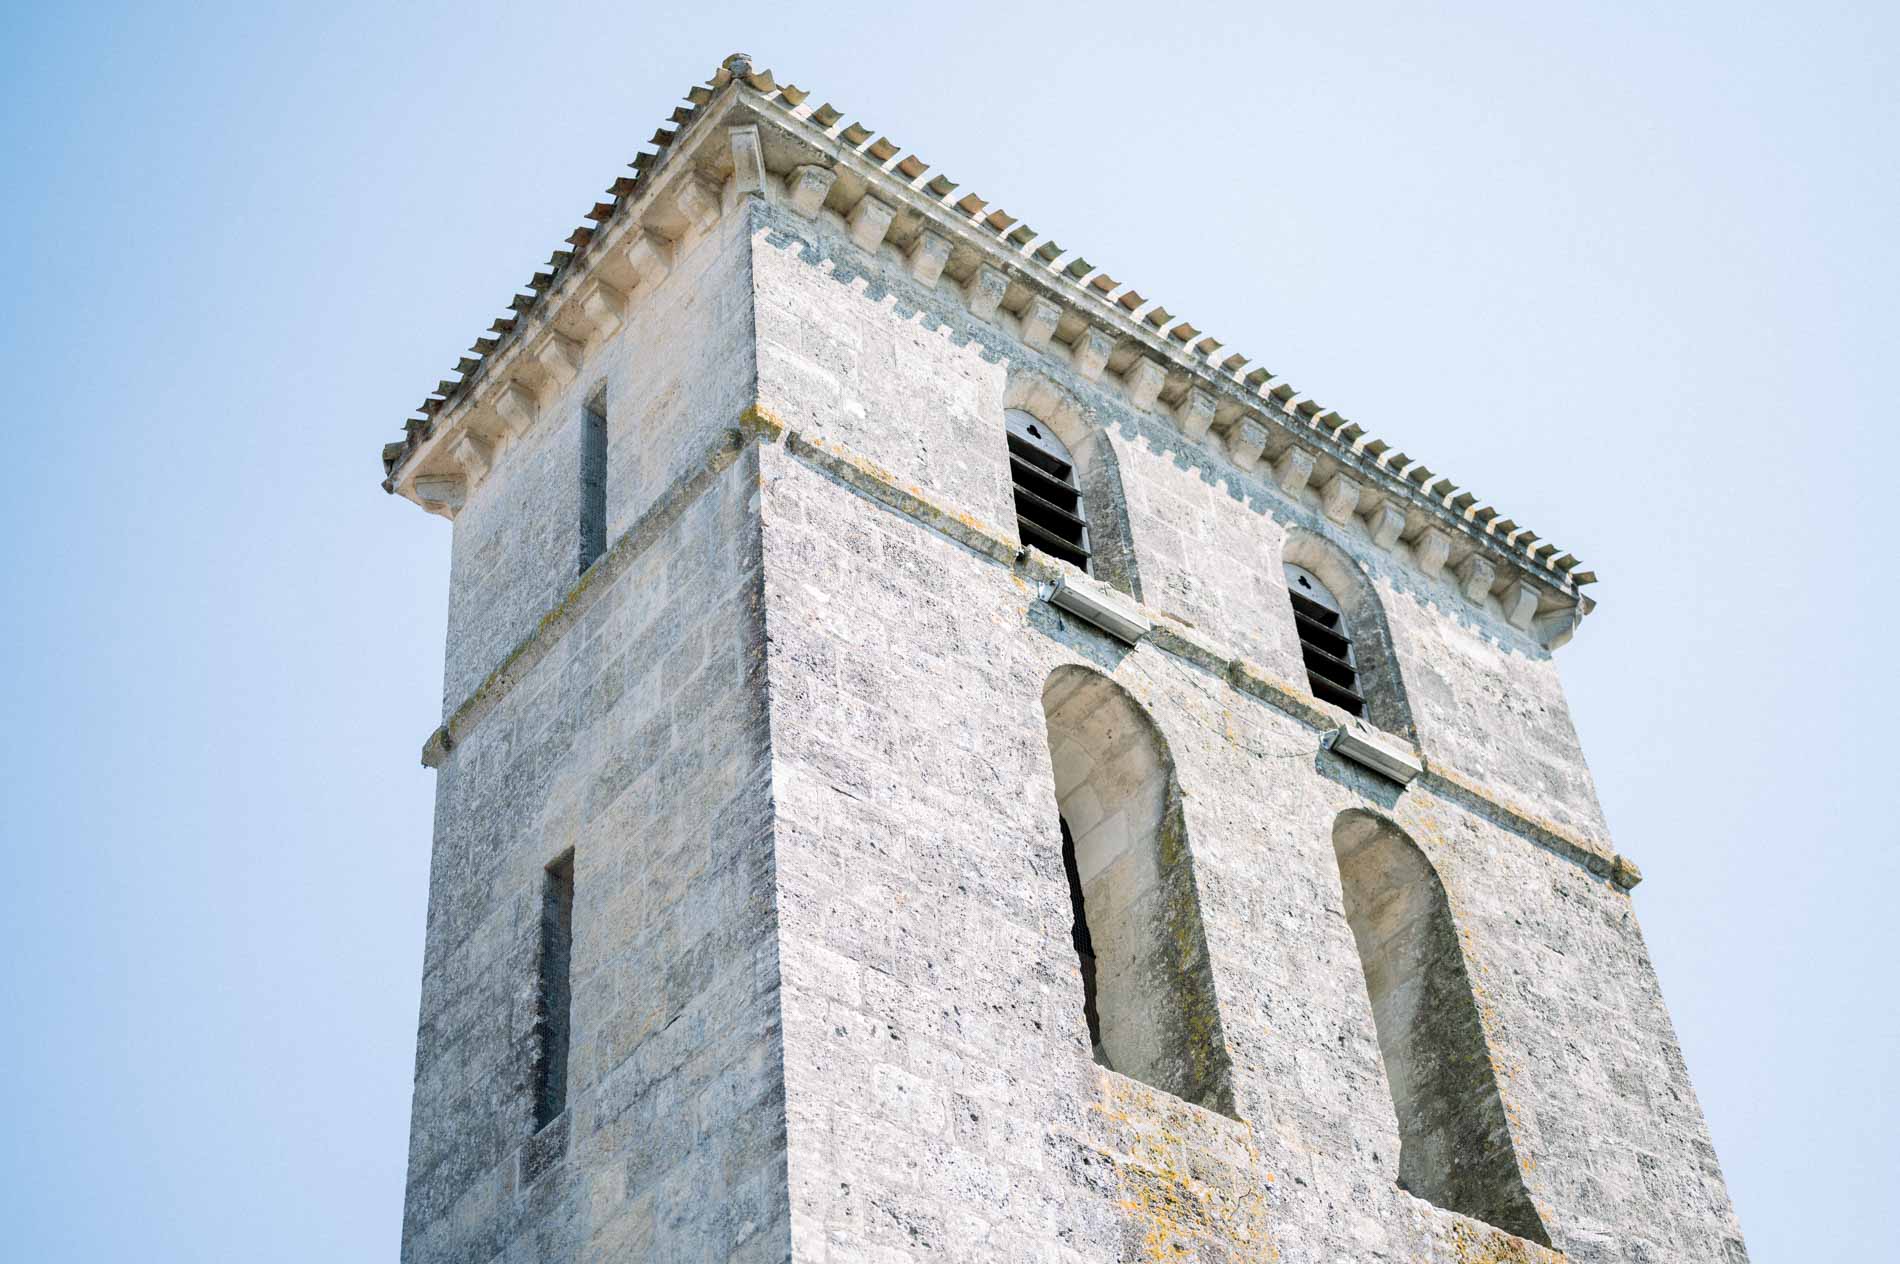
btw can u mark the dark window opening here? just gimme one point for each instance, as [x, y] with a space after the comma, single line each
[1084, 945]
[593, 481]
[553, 1000]
[1048, 497]
[1332, 670]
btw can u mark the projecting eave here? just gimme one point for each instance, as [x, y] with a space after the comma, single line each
[743, 135]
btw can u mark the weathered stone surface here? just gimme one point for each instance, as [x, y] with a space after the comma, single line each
[1195, 413]
[1387, 524]
[1246, 442]
[1293, 469]
[1090, 353]
[1144, 380]
[1039, 322]
[927, 256]
[640, 743]
[984, 291]
[869, 222]
[826, 1001]
[1340, 499]
[517, 536]
[807, 187]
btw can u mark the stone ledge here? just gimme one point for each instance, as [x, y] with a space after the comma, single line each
[1370, 748]
[878, 484]
[1453, 786]
[1107, 608]
[1182, 640]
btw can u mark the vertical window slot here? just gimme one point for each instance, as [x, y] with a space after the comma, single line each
[593, 480]
[553, 1005]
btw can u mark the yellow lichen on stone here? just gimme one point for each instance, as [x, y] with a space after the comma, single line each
[1174, 1210]
[756, 418]
[1478, 1244]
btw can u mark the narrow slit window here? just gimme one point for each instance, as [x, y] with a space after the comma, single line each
[1048, 497]
[553, 1002]
[593, 481]
[1332, 668]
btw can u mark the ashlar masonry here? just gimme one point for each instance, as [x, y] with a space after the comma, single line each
[944, 760]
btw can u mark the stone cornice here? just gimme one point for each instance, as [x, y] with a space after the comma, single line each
[1167, 634]
[581, 294]
[746, 134]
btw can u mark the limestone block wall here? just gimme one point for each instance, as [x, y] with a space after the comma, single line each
[676, 373]
[941, 1097]
[826, 1004]
[1489, 702]
[853, 350]
[638, 739]
[1485, 697]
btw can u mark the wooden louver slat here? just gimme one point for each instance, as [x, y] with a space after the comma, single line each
[1048, 502]
[1326, 649]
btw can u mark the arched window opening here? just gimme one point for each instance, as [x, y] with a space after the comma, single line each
[1049, 509]
[1332, 671]
[1455, 1146]
[1148, 989]
[1345, 644]
[1051, 433]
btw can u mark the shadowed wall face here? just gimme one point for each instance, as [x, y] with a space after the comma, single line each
[1455, 1145]
[1153, 990]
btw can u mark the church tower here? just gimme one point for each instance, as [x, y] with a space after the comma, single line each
[943, 760]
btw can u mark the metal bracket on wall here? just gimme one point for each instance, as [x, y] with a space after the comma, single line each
[1370, 748]
[1097, 603]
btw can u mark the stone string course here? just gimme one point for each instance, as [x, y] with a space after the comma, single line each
[1169, 633]
[1107, 330]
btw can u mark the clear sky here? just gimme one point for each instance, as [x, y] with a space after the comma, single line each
[1628, 271]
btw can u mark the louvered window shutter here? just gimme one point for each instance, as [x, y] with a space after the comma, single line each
[1048, 498]
[1332, 670]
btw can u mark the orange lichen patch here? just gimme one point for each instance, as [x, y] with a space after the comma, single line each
[1185, 1177]
[757, 419]
[1474, 1243]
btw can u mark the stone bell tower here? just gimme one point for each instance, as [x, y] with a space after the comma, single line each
[943, 760]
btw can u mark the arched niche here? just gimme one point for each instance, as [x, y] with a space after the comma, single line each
[1098, 472]
[1132, 892]
[1455, 1144]
[1346, 584]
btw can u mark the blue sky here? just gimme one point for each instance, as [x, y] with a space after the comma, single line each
[1629, 273]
